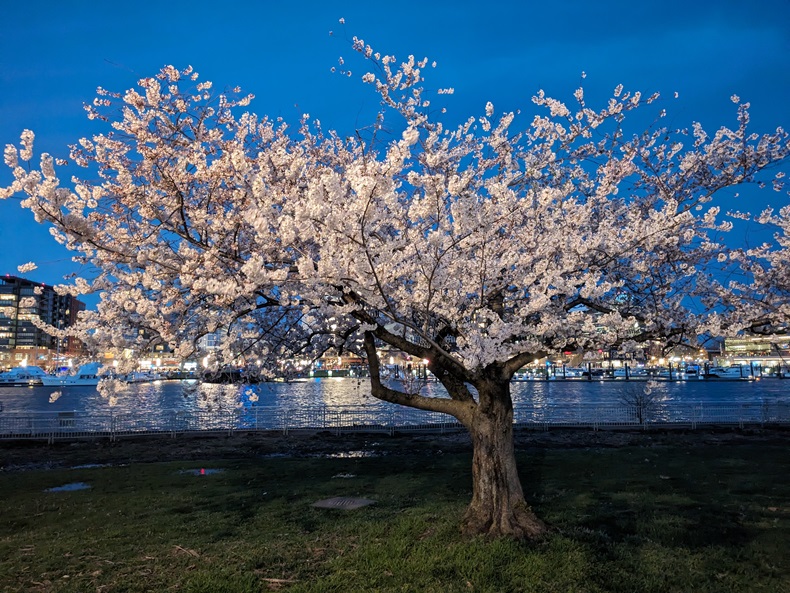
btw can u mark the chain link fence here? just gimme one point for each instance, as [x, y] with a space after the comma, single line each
[52, 426]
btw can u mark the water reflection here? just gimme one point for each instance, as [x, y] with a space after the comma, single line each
[69, 487]
[348, 394]
[350, 455]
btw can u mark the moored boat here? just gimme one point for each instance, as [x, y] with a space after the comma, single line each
[730, 372]
[142, 377]
[22, 376]
[86, 375]
[629, 372]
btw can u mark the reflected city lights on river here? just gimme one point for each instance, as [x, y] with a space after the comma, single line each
[190, 396]
[176, 405]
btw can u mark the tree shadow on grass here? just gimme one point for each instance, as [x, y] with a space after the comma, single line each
[635, 495]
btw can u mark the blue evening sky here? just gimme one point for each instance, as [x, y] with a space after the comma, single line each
[53, 55]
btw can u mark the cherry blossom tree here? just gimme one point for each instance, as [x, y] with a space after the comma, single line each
[477, 247]
[759, 293]
[772, 277]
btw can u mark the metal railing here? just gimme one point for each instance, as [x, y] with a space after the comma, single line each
[52, 426]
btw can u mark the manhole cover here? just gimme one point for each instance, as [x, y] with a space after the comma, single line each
[343, 502]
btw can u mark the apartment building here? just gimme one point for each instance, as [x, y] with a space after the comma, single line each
[21, 342]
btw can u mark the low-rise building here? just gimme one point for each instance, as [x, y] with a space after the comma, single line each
[764, 351]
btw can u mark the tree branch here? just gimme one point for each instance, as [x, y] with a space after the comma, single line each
[458, 409]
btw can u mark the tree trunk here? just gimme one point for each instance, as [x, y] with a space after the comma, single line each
[498, 507]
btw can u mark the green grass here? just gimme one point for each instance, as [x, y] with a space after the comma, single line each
[712, 519]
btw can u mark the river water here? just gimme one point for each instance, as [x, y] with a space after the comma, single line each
[348, 393]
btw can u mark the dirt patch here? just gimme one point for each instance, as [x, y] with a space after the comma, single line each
[22, 455]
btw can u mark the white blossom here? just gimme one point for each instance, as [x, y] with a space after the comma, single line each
[26, 152]
[28, 267]
[11, 156]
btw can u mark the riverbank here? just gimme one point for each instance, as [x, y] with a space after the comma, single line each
[658, 512]
[22, 455]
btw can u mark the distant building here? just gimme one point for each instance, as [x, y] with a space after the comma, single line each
[20, 340]
[766, 349]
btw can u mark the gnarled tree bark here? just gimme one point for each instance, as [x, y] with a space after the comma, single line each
[498, 507]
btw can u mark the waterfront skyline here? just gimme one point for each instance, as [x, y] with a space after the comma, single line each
[706, 52]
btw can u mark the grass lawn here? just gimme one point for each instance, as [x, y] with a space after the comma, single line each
[712, 518]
